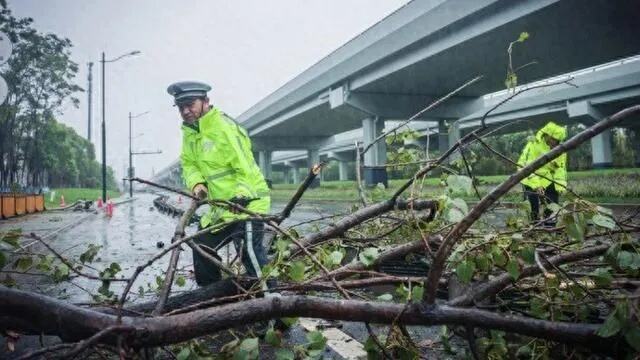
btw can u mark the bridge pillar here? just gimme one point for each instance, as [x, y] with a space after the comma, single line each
[313, 158]
[635, 144]
[294, 174]
[601, 150]
[443, 136]
[374, 160]
[342, 170]
[264, 160]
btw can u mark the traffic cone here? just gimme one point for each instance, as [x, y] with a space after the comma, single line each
[109, 208]
[100, 203]
[62, 204]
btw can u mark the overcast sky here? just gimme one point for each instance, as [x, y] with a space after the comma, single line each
[244, 48]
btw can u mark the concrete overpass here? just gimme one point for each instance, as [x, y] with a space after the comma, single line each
[341, 148]
[426, 49]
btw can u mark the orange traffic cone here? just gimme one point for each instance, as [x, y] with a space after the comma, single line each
[62, 204]
[100, 203]
[109, 208]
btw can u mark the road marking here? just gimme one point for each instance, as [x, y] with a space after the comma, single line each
[343, 344]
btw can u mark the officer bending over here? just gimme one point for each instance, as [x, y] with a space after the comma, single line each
[217, 163]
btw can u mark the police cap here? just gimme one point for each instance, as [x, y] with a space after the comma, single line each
[186, 91]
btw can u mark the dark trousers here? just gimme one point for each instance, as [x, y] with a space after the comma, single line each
[246, 234]
[551, 195]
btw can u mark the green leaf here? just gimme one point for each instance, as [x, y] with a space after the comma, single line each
[296, 271]
[603, 221]
[454, 215]
[523, 36]
[610, 327]
[184, 353]
[482, 261]
[248, 349]
[281, 245]
[273, 337]
[527, 254]
[417, 293]
[60, 273]
[23, 263]
[498, 256]
[385, 297]
[284, 354]
[633, 337]
[180, 281]
[575, 231]
[459, 184]
[513, 269]
[465, 271]
[316, 340]
[626, 259]
[12, 237]
[289, 322]
[368, 256]
[602, 277]
[336, 257]
[89, 255]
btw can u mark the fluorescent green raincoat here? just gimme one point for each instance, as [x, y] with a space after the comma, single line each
[556, 169]
[216, 152]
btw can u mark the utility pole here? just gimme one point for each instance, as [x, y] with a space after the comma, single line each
[104, 141]
[104, 135]
[131, 172]
[89, 106]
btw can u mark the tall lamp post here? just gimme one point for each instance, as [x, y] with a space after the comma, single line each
[104, 135]
[131, 172]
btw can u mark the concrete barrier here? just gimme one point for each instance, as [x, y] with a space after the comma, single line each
[31, 204]
[19, 204]
[8, 206]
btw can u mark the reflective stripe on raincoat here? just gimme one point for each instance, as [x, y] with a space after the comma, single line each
[556, 169]
[217, 152]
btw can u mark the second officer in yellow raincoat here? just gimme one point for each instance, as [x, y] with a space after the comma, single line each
[547, 183]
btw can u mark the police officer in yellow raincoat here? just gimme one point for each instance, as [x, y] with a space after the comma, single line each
[217, 162]
[547, 183]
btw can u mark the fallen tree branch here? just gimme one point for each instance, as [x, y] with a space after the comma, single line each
[366, 213]
[311, 176]
[175, 255]
[47, 315]
[487, 289]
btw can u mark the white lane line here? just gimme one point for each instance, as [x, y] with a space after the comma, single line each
[343, 344]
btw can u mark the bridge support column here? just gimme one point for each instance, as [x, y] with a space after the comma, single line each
[601, 150]
[635, 145]
[443, 136]
[342, 170]
[454, 134]
[264, 161]
[313, 158]
[374, 160]
[294, 174]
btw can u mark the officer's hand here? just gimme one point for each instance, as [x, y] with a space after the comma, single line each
[540, 191]
[200, 191]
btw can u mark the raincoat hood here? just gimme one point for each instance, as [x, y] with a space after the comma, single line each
[554, 130]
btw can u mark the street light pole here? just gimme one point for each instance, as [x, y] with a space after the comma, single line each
[104, 141]
[104, 136]
[130, 172]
